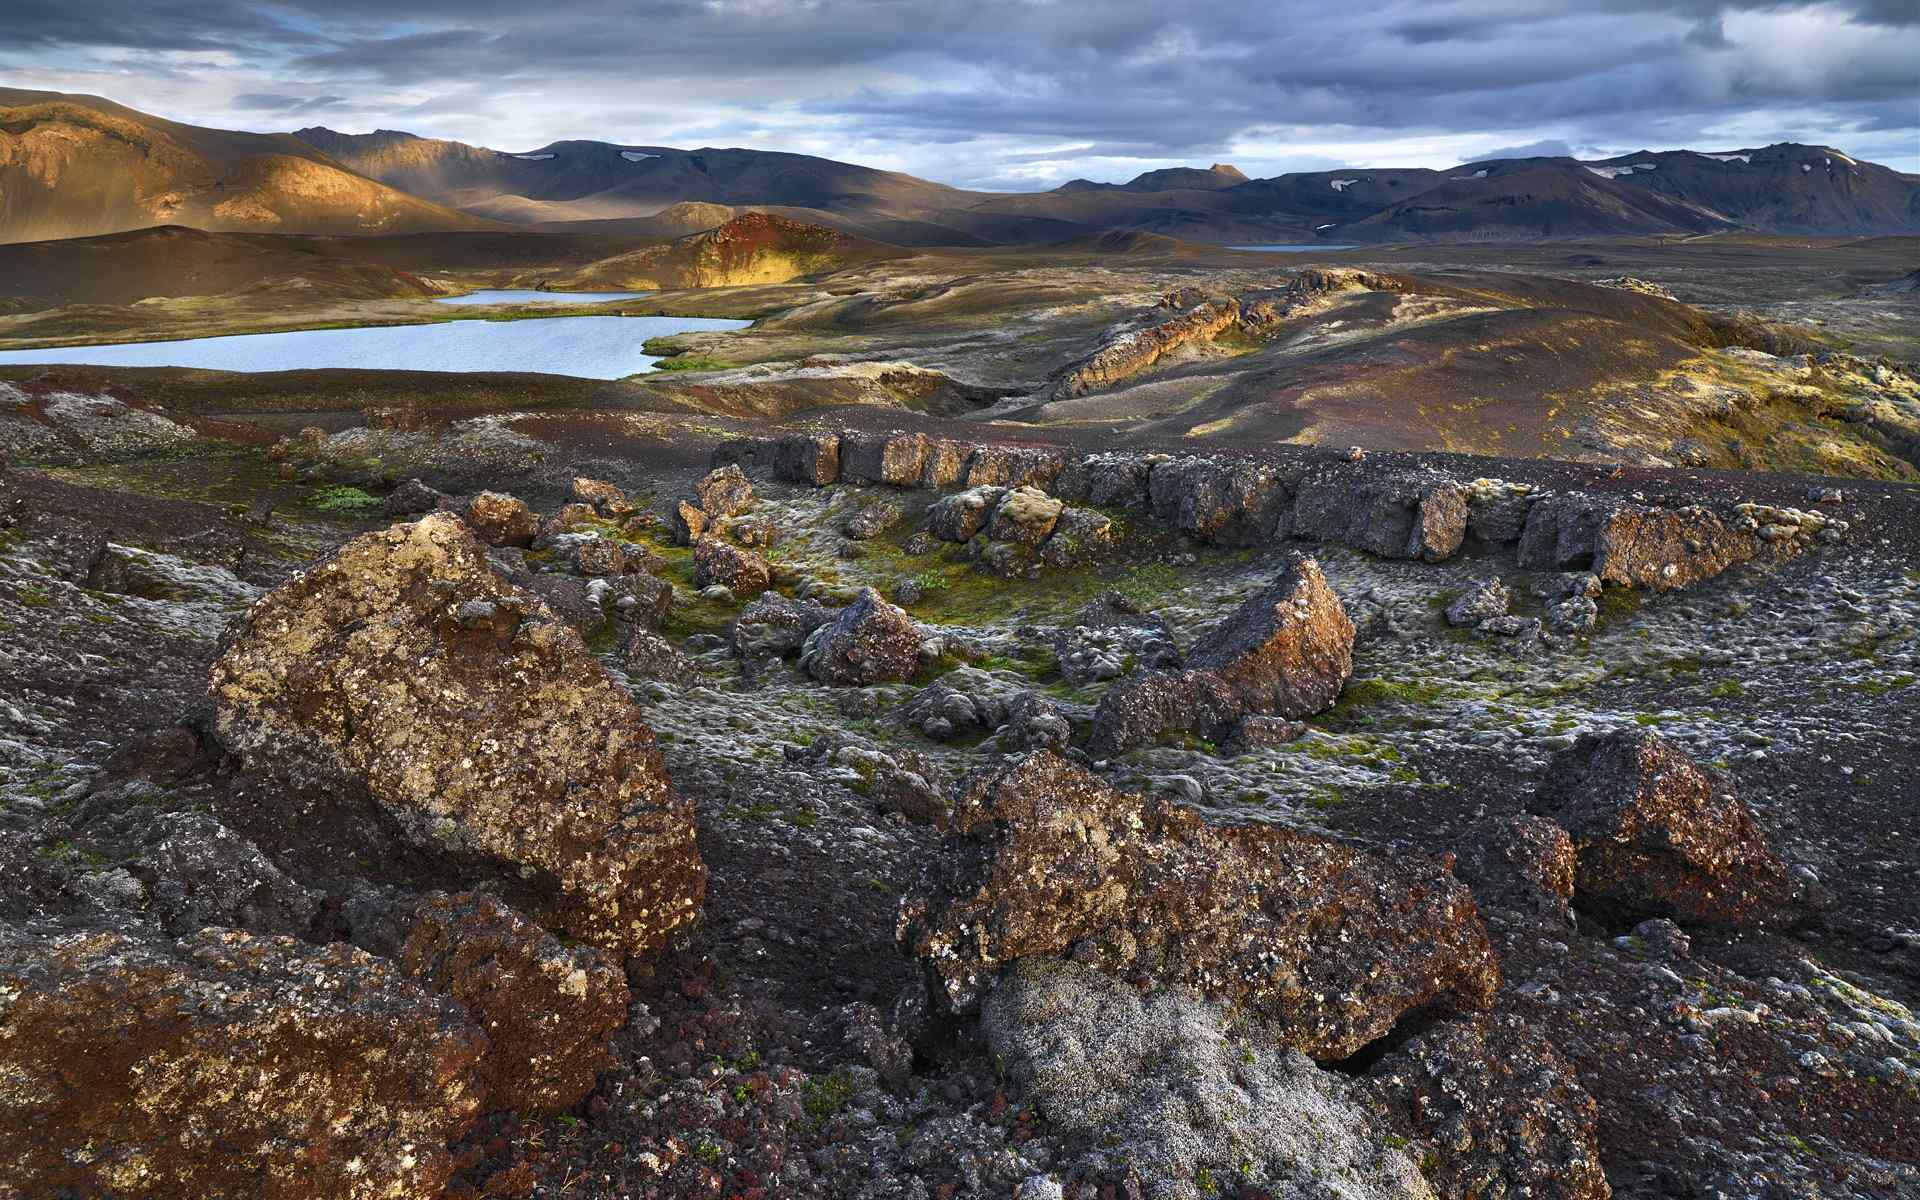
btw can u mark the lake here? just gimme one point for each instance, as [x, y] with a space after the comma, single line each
[1295, 249]
[586, 347]
[516, 296]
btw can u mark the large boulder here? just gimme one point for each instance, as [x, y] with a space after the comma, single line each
[225, 1064]
[1328, 944]
[1657, 835]
[739, 570]
[870, 642]
[1287, 651]
[1500, 1111]
[957, 518]
[1523, 863]
[549, 1011]
[722, 493]
[1024, 517]
[421, 716]
[502, 520]
[1168, 1084]
[775, 626]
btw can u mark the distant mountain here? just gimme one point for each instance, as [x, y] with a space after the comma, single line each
[80, 165]
[1167, 179]
[73, 166]
[604, 179]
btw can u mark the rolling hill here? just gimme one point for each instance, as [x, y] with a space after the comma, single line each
[76, 166]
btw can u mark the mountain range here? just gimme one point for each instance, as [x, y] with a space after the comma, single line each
[73, 165]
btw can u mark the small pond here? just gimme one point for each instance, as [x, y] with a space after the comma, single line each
[586, 347]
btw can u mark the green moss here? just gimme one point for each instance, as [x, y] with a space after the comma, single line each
[1727, 689]
[687, 362]
[345, 501]
[826, 1096]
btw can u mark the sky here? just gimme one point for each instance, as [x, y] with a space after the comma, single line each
[1013, 94]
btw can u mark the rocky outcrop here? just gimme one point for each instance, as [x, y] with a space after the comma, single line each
[871, 641]
[1167, 1085]
[1328, 944]
[1502, 1113]
[1398, 512]
[957, 518]
[722, 493]
[1287, 651]
[548, 1011]
[1223, 502]
[502, 520]
[420, 715]
[226, 1064]
[774, 626]
[739, 570]
[1133, 351]
[894, 459]
[1657, 835]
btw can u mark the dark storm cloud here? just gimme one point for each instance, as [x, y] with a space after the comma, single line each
[1001, 81]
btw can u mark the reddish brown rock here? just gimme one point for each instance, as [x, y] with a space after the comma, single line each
[1502, 1113]
[870, 641]
[1287, 651]
[1657, 835]
[422, 718]
[739, 570]
[549, 1012]
[226, 1064]
[1329, 943]
[1132, 352]
[721, 493]
[603, 497]
[502, 520]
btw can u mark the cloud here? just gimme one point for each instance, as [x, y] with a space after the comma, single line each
[1545, 148]
[1014, 93]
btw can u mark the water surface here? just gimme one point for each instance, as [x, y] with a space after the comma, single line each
[528, 296]
[586, 347]
[1300, 248]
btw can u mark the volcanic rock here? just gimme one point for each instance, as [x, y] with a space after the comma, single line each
[1169, 1085]
[739, 570]
[548, 1011]
[895, 459]
[1657, 835]
[419, 712]
[1287, 651]
[957, 518]
[226, 1064]
[1505, 1115]
[871, 641]
[502, 520]
[412, 498]
[776, 626]
[1524, 863]
[1327, 943]
[1024, 517]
